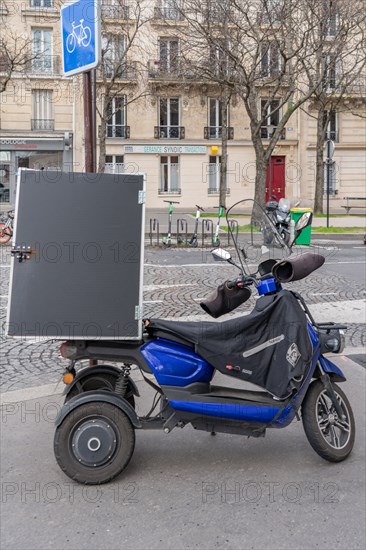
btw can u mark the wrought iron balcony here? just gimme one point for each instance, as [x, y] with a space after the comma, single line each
[45, 124]
[126, 71]
[114, 168]
[41, 3]
[117, 131]
[215, 132]
[112, 10]
[165, 69]
[267, 133]
[169, 192]
[45, 65]
[168, 14]
[169, 132]
[216, 190]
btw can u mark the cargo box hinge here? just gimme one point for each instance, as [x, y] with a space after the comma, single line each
[138, 312]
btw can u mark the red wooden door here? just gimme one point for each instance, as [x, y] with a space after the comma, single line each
[275, 182]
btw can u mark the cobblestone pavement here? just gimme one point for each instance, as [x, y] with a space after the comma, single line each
[170, 290]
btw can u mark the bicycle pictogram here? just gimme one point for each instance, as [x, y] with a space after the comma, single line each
[80, 35]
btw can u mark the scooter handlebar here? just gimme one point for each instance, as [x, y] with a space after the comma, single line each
[225, 298]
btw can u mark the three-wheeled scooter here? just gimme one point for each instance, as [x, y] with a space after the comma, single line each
[279, 347]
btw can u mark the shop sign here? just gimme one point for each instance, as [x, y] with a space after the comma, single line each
[167, 149]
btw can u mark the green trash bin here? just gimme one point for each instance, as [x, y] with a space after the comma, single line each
[305, 236]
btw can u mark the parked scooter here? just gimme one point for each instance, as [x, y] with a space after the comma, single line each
[278, 346]
[215, 238]
[279, 214]
[193, 241]
[167, 239]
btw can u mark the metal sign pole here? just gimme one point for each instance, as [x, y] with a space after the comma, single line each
[88, 122]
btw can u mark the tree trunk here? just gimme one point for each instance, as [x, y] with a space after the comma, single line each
[224, 138]
[319, 167]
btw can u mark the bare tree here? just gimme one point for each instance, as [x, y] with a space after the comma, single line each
[120, 77]
[339, 67]
[16, 54]
[269, 48]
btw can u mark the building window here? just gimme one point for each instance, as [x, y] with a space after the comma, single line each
[270, 118]
[270, 59]
[331, 71]
[169, 118]
[168, 55]
[332, 178]
[214, 167]
[271, 12]
[41, 3]
[332, 126]
[169, 9]
[116, 118]
[218, 60]
[42, 43]
[214, 118]
[330, 18]
[114, 56]
[42, 107]
[114, 164]
[169, 175]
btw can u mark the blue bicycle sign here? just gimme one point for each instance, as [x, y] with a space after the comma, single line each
[80, 32]
[80, 35]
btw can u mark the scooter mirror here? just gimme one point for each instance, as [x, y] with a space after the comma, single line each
[304, 221]
[221, 254]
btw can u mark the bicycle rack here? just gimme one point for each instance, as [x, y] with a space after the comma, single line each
[233, 227]
[208, 225]
[154, 226]
[183, 225]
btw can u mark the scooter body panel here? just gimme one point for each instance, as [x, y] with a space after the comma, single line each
[174, 364]
[229, 411]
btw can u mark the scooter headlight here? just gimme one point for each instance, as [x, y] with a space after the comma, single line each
[332, 342]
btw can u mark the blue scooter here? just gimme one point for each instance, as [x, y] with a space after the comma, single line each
[278, 346]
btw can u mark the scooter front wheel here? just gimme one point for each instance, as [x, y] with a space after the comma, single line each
[330, 436]
[94, 443]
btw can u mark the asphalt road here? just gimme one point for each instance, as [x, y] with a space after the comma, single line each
[185, 490]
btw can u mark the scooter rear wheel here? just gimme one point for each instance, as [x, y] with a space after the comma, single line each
[94, 443]
[332, 438]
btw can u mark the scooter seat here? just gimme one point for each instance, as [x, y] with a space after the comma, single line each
[270, 347]
[168, 334]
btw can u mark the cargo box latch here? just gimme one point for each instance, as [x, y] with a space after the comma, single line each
[21, 253]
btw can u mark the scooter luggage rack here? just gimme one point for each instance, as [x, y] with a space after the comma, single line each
[154, 227]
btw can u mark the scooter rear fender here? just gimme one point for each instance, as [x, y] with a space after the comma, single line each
[101, 397]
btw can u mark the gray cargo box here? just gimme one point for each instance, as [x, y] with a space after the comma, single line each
[77, 265]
